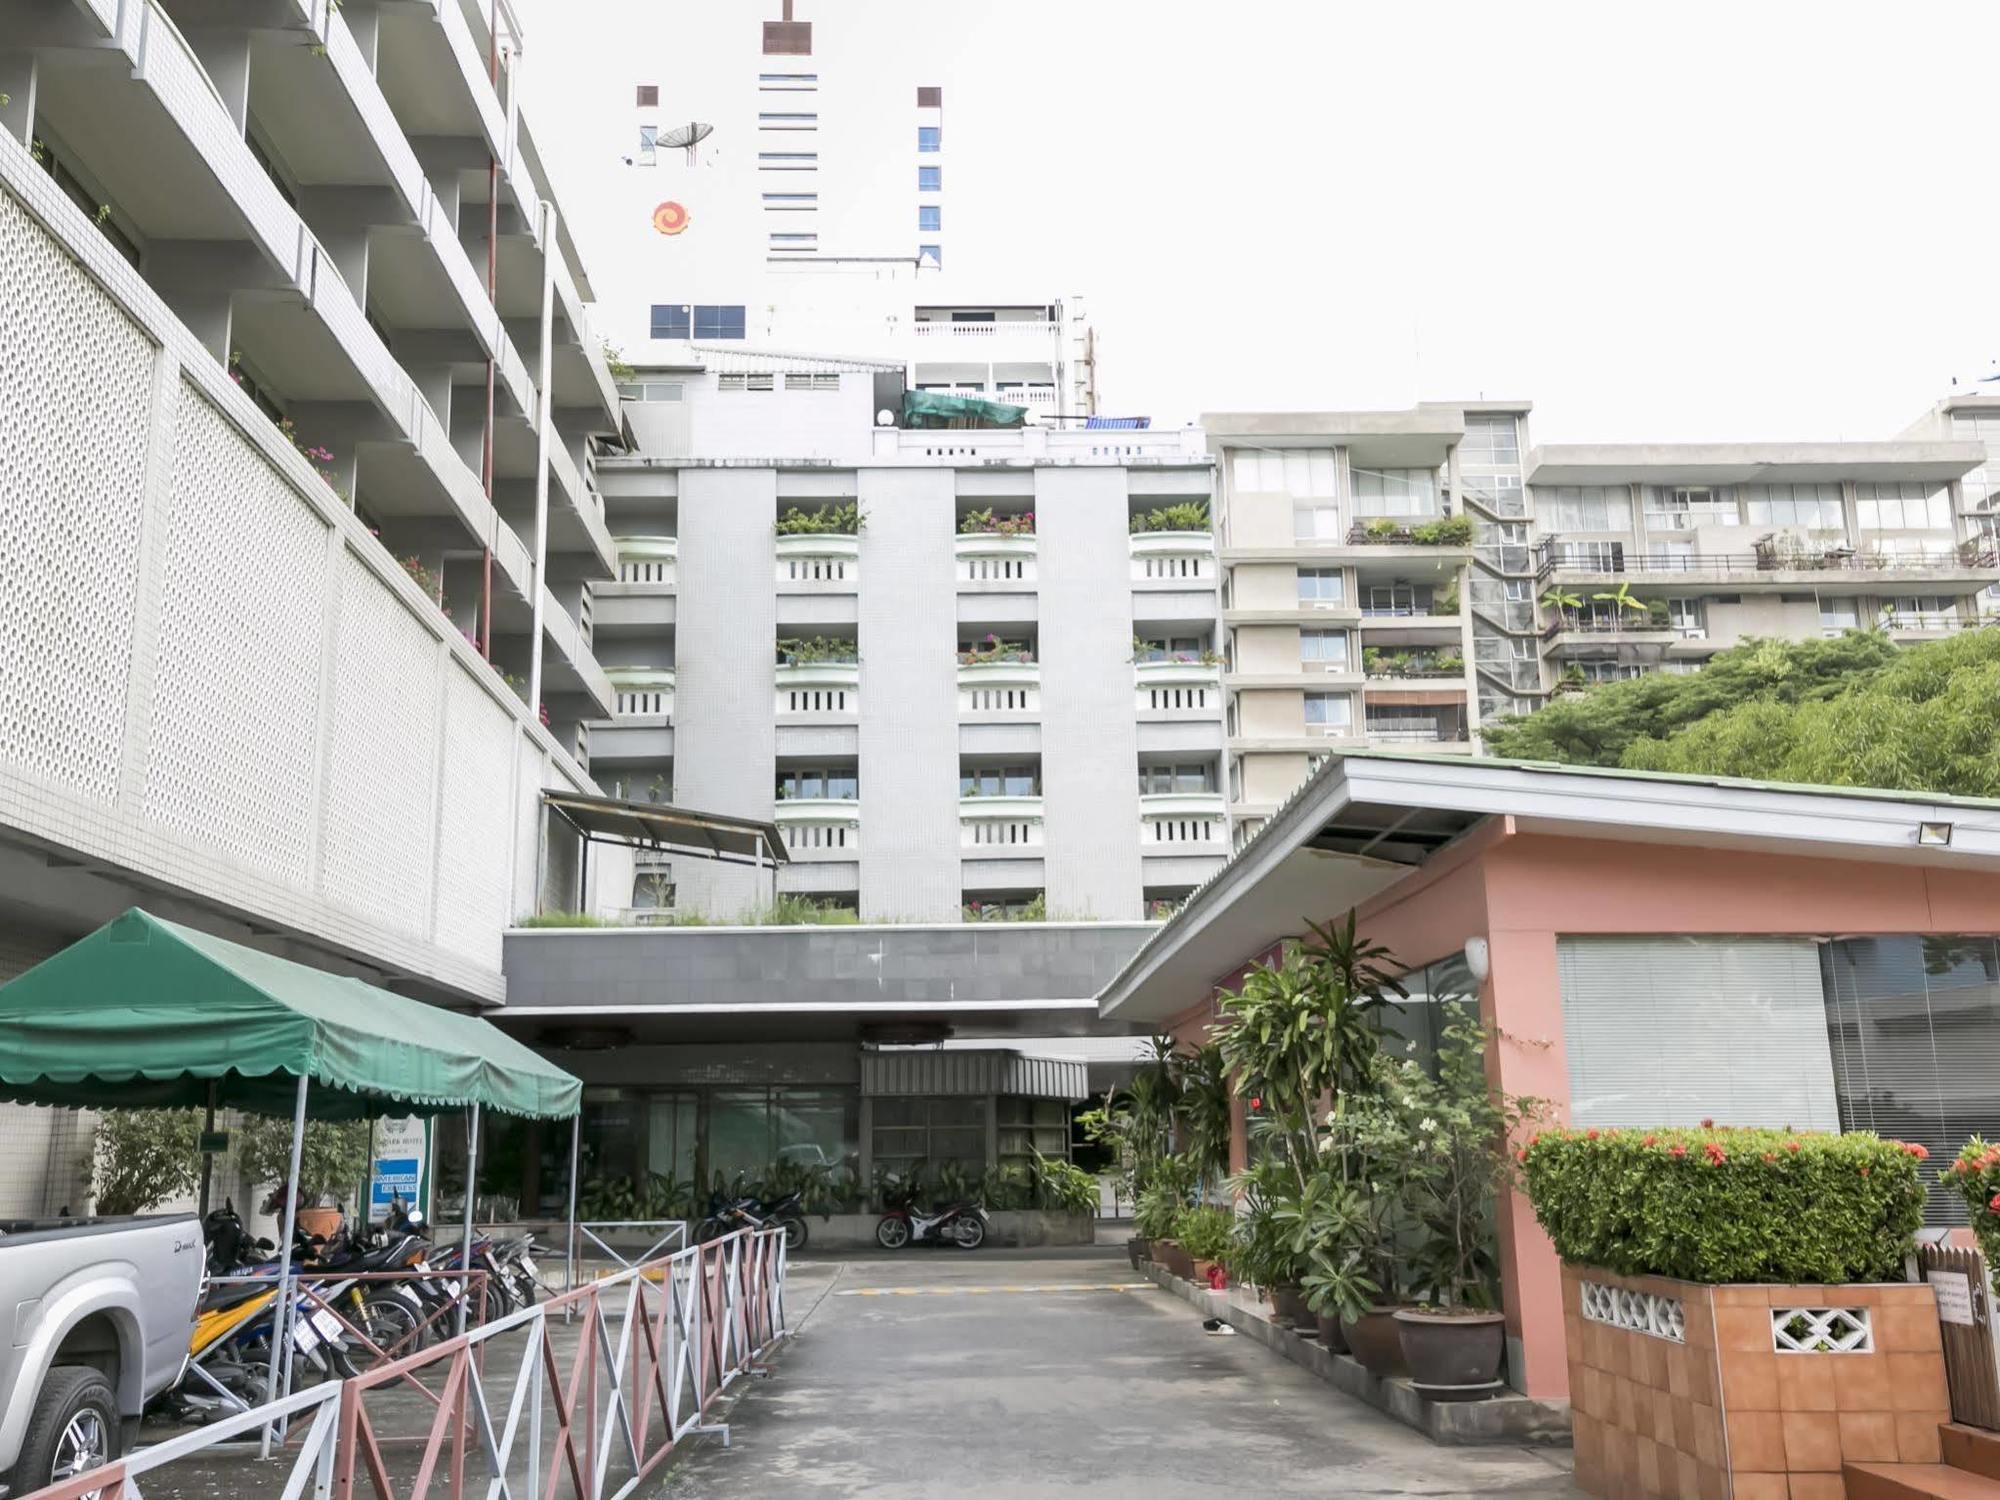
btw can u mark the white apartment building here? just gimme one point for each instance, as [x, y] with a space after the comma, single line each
[296, 355]
[813, 216]
[1398, 578]
[999, 696]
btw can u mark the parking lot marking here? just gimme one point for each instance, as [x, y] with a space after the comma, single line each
[977, 1291]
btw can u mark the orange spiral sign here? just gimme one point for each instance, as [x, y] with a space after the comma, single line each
[670, 218]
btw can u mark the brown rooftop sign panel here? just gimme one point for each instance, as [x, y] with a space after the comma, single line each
[788, 38]
[930, 98]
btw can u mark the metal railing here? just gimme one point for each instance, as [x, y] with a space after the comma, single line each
[666, 1234]
[656, 1344]
[1603, 558]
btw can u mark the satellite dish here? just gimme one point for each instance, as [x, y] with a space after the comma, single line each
[687, 137]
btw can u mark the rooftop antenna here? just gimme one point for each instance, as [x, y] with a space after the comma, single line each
[687, 137]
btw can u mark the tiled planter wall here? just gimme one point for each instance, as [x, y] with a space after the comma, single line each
[1703, 1393]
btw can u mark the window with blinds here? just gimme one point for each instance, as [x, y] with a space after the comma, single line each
[1672, 1030]
[1914, 1023]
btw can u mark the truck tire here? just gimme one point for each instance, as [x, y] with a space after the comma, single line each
[74, 1428]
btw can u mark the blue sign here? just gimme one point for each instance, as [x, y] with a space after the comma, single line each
[398, 1170]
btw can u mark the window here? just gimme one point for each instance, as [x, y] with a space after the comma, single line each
[1002, 907]
[1316, 523]
[1326, 649]
[1186, 777]
[746, 380]
[1322, 586]
[1584, 507]
[792, 202]
[932, 253]
[1609, 671]
[825, 380]
[840, 782]
[1329, 713]
[653, 390]
[787, 120]
[930, 218]
[1302, 473]
[794, 242]
[649, 96]
[930, 97]
[930, 179]
[1395, 492]
[1589, 557]
[1491, 441]
[1516, 590]
[649, 142]
[1672, 557]
[1000, 781]
[788, 161]
[1396, 599]
[930, 138]
[1685, 507]
[1921, 612]
[1814, 505]
[909, 1131]
[784, 83]
[1685, 617]
[708, 321]
[1170, 648]
[1904, 505]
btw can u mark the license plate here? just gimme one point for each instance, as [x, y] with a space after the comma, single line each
[326, 1323]
[424, 1266]
[454, 1287]
[304, 1337]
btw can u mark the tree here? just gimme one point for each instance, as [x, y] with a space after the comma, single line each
[332, 1157]
[1623, 599]
[143, 1157]
[1854, 711]
[1599, 727]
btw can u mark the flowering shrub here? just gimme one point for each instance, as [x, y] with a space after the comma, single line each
[1721, 1204]
[986, 523]
[1975, 1177]
[993, 649]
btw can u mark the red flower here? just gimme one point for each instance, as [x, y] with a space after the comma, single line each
[1651, 1140]
[1793, 1147]
[1716, 1155]
[1708, 1124]
[1770, 1156]
[1919, 1151]
[1257, 1101]
[1677, 1152]
[1994, 1203]
[1590, 1135]
[1864, 1171]
[1522, 1154]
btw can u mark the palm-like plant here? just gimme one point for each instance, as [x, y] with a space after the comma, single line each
[1622, 599]
[1563, 602]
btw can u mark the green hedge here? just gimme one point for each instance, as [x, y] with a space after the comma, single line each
[1721, 1205]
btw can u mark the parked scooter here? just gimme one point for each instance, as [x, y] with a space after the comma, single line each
[962, 1224]
[752, 1213]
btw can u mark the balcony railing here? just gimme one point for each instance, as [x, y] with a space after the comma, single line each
[1006, 689]
[1615, 557]
[648, 559]
[1181, 688]
[1416, 734]
[1170, 822]
[988, 557]
[830, 560]
[999, 825]
[1014, 328]
[1173, 557]
[820, 689]
[819, 825]
[646, 692]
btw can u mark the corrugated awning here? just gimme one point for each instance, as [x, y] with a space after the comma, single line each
[654, 825]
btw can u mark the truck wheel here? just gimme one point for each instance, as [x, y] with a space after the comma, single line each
[74, 1429]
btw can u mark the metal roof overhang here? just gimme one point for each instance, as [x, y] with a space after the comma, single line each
[652, 825]
[1365, 821]
[1751, 463]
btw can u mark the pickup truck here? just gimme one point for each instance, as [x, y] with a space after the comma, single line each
[95, 1316]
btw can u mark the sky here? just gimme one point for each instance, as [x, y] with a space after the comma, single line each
[1703, 222]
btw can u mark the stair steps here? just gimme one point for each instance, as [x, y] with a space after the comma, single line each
[1971, 1471]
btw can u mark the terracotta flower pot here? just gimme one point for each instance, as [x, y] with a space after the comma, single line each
[1332, 1337]
[1288, 1303]
[1177, 1261]
[317, 1221]
[1452, 1356]
[1210, 1275]
[1373, 1339]
[1138, 1251]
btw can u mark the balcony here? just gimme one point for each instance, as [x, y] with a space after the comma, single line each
[1179, 689]
[1379, 665]
[648, 559]
[999, 689]
[828, 562]
[994, 827]
[1636, 629]
[1769, 566]
[1183, 822]
[819, 690]
[643, 692]
[1173, 558]
[986, 559]
[820, 827]
[1410, 726]
[942, 331]
[1451, 534]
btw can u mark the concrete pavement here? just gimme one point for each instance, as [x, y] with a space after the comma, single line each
[1031, 1373]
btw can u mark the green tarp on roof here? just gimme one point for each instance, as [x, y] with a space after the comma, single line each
[142, 1013]
[940, 409]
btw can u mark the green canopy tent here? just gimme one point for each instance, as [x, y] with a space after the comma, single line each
[149, 1014]
[942, 409]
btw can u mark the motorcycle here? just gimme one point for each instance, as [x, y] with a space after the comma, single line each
[752, 1213]
[962, 1224]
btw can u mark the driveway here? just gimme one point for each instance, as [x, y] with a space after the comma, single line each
[1056, 1373]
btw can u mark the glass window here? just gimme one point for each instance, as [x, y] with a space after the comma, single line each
[930, 138]
[649, 141]
[932, 253]
[1814, 505]
[1000, 781]
[1836, 615]
[930, 179]
[1303, 473]
[719, 322]
[1396, 599]
[1685, 507]
[1492, 441]
[1584, 507]
[1395, 492]
[788, 161]
[772, 119]
[1316, 523]
[930, 218]
[1905, 505]
[1325, 648]
[1322, 586]
[672, 321]
[1183, 777]
[1329, 710]
[818, 781]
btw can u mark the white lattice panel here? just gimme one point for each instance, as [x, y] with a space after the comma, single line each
[838, 572]
[1000, 833]
[475, 894]
[1822, 1330]
[979, 569]
[381, 802]
[1637, 1312]
[76, 399]
[1174, 567]
[1180, 699]
[234, 740]
[1020, 699]
[824, 702]
[1181, 830]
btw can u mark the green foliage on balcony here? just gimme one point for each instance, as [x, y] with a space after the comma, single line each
[1186, 515]
[807, 650]
[987, 523]
[836, 518]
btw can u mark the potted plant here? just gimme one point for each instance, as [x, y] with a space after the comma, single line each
[1452, 1163]
[1205, 1233]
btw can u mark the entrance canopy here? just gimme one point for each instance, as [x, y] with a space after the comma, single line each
[145, 1013]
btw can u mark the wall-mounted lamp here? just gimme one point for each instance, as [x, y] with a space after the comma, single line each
[1936, 835]
[1478, 959]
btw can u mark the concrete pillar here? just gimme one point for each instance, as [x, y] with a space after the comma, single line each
[433, 383]
[18, 80]
[364, 24]
[226, 57]
[341, 218]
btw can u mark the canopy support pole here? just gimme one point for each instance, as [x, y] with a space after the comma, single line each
[583, 877]
[207, 1156]
[569, 1251]
[281, 1319]
[471, 1192]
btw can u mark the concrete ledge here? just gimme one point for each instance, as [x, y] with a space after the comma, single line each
[1510, 1418]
